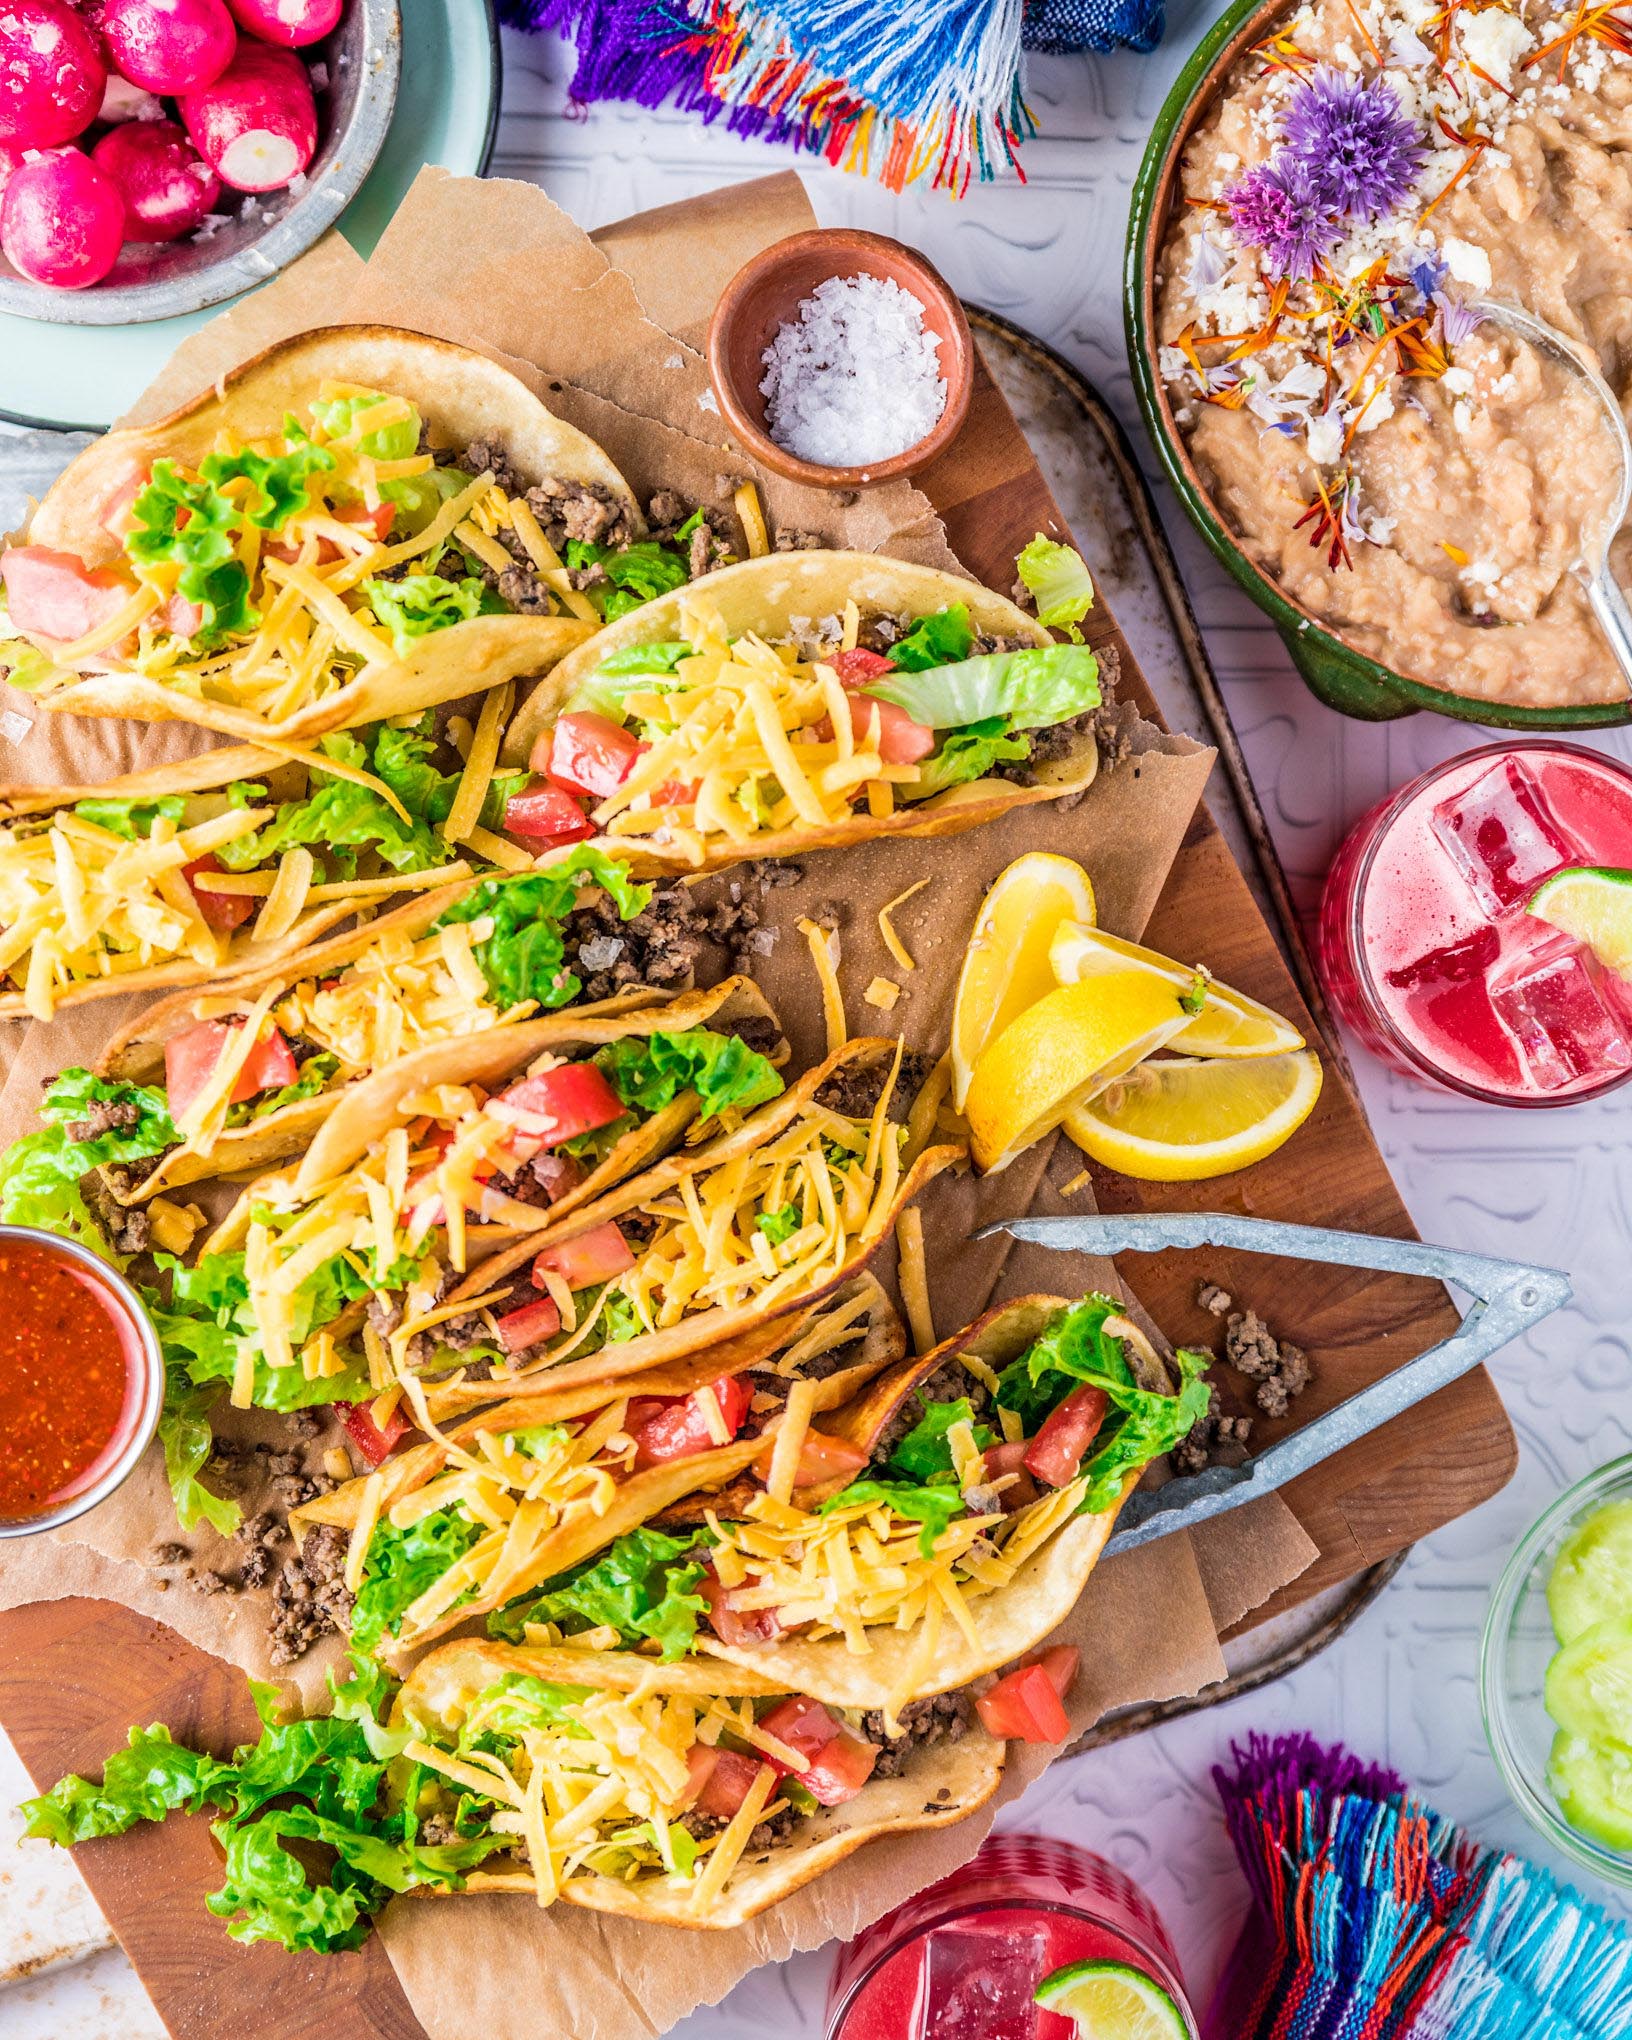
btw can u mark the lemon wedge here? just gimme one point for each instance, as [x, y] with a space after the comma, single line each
[1007, 967]
[1175, 1122]
[1110, 2001]
[1228, 1023]
[1061, 1052]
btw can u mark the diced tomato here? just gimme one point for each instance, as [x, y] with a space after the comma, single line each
[999, 1460]
[1024, 1706]
[838, 1772]
[559, 1104]
[1060, 1662]
[719, 1779]
[55, 595]
[519, 1330]
[220, 909]
[180, 617]
[820, 1458]
[118, 513]
[1055, 1454]
[191, 1056]
[592, 1258]
[676, 793]
[372, 1442]
[804, 1725]
[546, 815]
[676, 1427]
[586, 753]
[739, 1628]
[378, 520]
[858, 665]
[901, 741]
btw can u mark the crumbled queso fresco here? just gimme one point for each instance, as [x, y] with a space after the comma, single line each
[856, 378]
[1410, 475]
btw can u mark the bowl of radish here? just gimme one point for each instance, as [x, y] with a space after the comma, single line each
[159, 156]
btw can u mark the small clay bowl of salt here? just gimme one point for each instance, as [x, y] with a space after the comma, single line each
[841, 359]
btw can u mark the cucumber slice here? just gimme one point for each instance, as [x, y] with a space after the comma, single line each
[1589, 1683]
[1592, 1782]
[1591, 1579]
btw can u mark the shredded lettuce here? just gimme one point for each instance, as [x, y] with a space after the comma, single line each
[634, 573]
[174, 520]
[779, 1225]
[525, 956]
[650, 1071]
[939, 639]
[647, 659]
[131, 819]
[402, 759]
[279, 483]
[401, 1565]
[519, 1702]
[968, 754]
[1030, 689]
[421, 603]
[641, 1585]
[22, 665]
[1140, 1425]
[1060, 584]
[932, 1505]
[338, 417]
[923, 1454]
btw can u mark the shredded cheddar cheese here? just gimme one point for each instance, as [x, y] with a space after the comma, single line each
[909, 1239]
[882, 993]
[886, 927]
[824, 953]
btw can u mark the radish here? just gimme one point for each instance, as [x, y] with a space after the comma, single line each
[167, 186]
[168, 45]
[256, 126]
[62, 220]
[10, 159]
[51, 73]
[289, 23]
[124, 101]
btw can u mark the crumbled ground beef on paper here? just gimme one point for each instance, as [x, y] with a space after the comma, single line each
[705, 550]
[1214, 1440]
[310, 1600]
[585, 511]
[944, 1718]
[798, 541]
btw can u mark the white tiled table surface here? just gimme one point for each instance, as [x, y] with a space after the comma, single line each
[1545, 1186]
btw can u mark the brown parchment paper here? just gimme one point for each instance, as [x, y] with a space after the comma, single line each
[606, 328]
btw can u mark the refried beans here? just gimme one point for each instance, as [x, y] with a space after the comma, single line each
[1413, 477]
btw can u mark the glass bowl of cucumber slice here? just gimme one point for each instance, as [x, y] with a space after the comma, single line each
[1555, 1673]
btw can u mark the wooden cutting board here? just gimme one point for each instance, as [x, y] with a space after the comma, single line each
[75, 1674]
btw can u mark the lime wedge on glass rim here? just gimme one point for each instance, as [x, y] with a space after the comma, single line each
[1110, 2001]
[1594, 904]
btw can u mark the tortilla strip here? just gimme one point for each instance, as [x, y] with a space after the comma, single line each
[462, 396]
[941, 1783]
[1012, 1619]
[759, 596]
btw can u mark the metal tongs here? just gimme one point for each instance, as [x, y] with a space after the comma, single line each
[1509, 1297]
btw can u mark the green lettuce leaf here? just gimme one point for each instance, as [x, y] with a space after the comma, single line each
[337, 416]
[641, 1585]
[1060, 584]
[187, 1441]
[968, 754]
[193, 523]
[402, 759]
[41, 1173]
[207, 1322]
[940, 639]
[22, 665]
[779, 1225]
[933, 1505]
[519, 1701]
[524, 957]
[131, 819]
[650, 1071]
[421, 603]
[1030, 689]
[315, 1073]
[338, 820]
[280, 484]
[634, 573]
[923, 1454]
[401, 1565]
[646, 660]
[150, 1778]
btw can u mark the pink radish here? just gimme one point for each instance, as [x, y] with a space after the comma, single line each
[51, 73]
[167, 186]
[62, 221]
[292, 24]
[10, 159]
[256, 126]
[124, 101]
[167, 45]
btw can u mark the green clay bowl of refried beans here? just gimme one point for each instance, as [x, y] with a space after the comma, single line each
[1401, 487]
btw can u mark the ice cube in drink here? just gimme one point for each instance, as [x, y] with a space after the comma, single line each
[1551, 1002]
[978, 1983]
[1502, 836]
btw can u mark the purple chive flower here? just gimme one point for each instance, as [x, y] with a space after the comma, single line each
[1276, 207]
[1457, 319]
[1428, 272]
[1358, 146]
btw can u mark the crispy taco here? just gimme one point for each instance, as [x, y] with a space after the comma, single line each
[801, 702]
[359, 522]
[454, 1527]
[693, 1794]
[484, 1289]
[225, 863]
[458, 962]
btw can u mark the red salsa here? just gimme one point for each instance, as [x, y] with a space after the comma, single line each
[70, 1367]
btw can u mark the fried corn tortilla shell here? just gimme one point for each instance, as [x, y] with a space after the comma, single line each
[940, 1783]
[867, 1318]
[462, 397]
[760, 597]
[1010, 1620]
[705, 1328]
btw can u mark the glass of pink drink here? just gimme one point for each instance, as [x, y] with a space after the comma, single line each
[1425, 945]
[962, 1960]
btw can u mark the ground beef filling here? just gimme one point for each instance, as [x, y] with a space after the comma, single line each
[658, 946]
[777, 1827]
[854, 1091]
[943, 1718]
[950, 1381]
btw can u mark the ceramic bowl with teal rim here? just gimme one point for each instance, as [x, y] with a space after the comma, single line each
[1341, 676]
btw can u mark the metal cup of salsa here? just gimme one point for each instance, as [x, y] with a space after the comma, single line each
[82, 1377]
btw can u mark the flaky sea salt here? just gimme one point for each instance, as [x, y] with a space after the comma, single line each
[856, 377]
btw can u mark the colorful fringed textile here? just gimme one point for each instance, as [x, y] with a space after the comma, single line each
[1376, 1920]
[905, 89]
